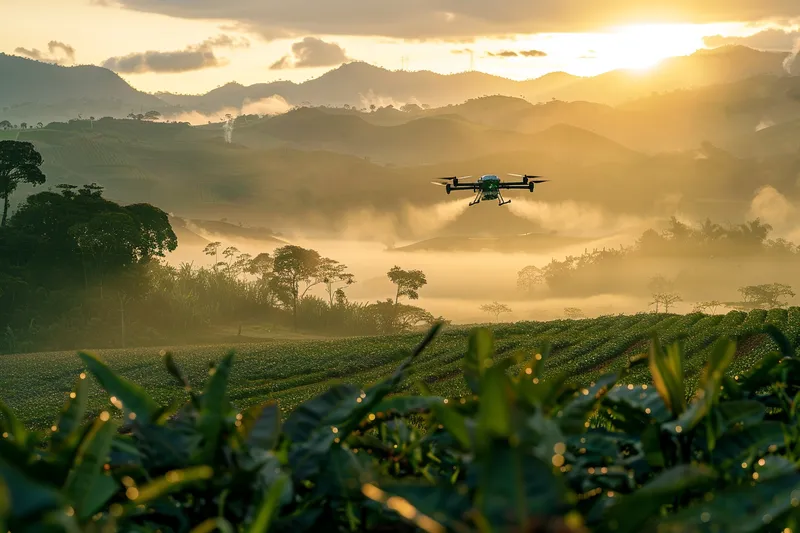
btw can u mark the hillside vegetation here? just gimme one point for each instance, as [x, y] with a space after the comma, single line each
[509, 448]
[292, 371]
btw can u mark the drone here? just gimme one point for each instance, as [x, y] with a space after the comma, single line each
[488, 187]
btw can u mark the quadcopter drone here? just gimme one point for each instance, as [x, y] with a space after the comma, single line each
[488, 187]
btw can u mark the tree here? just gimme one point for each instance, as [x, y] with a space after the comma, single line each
[710, 306]
[39, 125]
[408, 282]
[530, 277]
[151, 115]
[23, 125]
[5, 124]
[767, 296]
[19, 163]
[334, 275]
[667, 299]
[574, 313]
[495, 309]
[295, 266]
[663, 293]
[212, 250]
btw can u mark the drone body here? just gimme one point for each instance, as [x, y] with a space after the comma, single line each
[488, 186]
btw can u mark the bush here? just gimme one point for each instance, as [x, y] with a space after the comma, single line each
[518, 454]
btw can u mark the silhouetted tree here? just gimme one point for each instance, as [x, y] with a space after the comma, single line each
[496, 309]
[767, 296]
[19, 163]
[529, 277]
[295, 266]
[334, 274]
[573, 313]
[408, 282]
[710, 306]
[212, 250]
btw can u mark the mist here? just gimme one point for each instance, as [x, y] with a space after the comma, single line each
[271, 105]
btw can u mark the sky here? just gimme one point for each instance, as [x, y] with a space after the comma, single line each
[193, 46]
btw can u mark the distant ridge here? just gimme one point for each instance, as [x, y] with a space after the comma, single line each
[37, 91]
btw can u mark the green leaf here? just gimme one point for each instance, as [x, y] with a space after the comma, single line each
[71, 417]
[631, 512]
[404, 405]
[261, 425]
[448, 506]
[709, 386]
[28, 498]
[780, 339]
[12, 425]
[268, 507]
[172, 481]
[214, 407]
[760, 375]
[480, 348]
[571, 419]
[494, 410]
[175, 371]
[739, 509]
[454, 423]
[214, 524]
[666, 368]
[312, 414]
[514, 488]
[87, 474]
[134, 398]
[737, 446]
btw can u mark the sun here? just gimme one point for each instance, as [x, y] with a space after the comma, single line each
[643, 46]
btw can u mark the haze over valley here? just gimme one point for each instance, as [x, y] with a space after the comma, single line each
[342, 163]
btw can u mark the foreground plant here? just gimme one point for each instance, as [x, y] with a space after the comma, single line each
[519, 454]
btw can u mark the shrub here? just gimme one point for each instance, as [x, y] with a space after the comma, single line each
[518, 454]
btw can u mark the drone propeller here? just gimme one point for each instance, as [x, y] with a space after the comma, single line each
[538, 181]
[523, 176]
[439, 183]
[453, 178]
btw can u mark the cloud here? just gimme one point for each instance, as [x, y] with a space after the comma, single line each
[773, 39]
[312, 52]
[271, 105]
[533, 53]
[512, 53]
[57, 53]
[460, 51]
[502, 53]
[196, 57]
[587, 220]
[453, 19]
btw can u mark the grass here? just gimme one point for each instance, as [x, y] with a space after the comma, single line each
[35, 386]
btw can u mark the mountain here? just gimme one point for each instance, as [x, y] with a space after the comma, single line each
[705, 67]
[428, 139]
[36, 91]
[360, 84]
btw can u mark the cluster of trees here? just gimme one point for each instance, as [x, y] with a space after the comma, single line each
[6, 125]
[77, 269]
[678, 240]
[764, 296]
[149, 115]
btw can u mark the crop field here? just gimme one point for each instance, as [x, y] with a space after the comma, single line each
[35, 386]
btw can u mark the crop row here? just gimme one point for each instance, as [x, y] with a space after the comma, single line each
[35, 385]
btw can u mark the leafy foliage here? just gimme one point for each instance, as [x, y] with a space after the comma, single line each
[518, 453]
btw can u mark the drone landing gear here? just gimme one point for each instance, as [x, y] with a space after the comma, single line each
[477, 199]
[502, 201]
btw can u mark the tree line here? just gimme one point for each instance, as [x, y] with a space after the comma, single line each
[77, 269]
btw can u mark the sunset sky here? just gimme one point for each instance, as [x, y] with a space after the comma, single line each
[193, 46]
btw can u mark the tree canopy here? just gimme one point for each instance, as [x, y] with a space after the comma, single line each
[19, 163]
